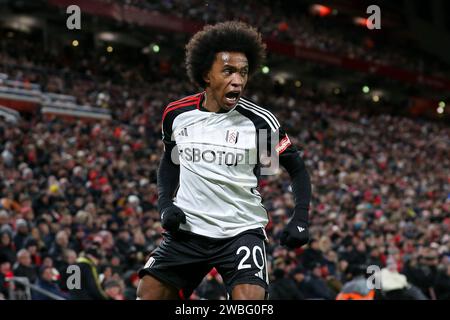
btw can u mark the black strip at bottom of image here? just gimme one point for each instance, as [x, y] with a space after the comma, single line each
[208, 309]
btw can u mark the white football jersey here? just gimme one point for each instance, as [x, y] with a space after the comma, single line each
[219, 158]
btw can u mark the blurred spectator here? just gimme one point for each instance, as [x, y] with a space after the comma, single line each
[69, 259]
[7, 246]
[90, 283]
[312, 254]
[395, 286]
[4, 219]
[123, 242]
[212, 287]
[5, 273]
[317, 287]
[58, 247]
[131, 283]
[22, 233]
[443, 284]
[113, 290]
[356, 289]
[24, 268]
[31, 246]
[283, 288]
[47, 282]
[425, 273]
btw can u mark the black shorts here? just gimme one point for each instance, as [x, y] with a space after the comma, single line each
[183, 259]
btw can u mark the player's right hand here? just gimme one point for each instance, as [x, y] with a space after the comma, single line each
[171, 217]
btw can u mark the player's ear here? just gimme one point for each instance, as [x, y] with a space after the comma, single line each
[206, 77]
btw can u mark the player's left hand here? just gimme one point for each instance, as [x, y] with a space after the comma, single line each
[295, 234]
[171, 217]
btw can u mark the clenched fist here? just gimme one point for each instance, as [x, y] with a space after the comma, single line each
[171, 217]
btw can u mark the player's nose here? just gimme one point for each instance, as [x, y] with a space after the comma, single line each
[237, 81]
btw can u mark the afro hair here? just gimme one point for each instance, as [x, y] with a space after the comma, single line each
[230, 36]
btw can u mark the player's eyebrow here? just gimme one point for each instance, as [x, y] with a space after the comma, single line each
[233, 67]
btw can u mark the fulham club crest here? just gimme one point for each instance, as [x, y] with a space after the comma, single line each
[232, 136]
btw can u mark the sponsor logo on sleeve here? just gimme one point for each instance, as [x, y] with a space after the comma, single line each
[283, 144]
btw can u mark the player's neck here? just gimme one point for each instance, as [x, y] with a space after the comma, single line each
[210, 104]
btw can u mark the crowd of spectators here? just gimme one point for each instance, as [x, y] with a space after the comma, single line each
[380, 185]
[286, 24]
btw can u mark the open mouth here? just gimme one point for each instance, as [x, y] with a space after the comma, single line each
[232, 97]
